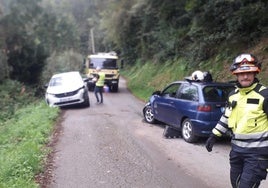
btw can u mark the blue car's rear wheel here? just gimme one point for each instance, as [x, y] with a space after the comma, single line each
[188, 132]
[148, 114]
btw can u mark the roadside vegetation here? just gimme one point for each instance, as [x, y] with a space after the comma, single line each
[26, 124]
[159, 41]
[145, 78]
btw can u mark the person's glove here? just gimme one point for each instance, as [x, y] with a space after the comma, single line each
[210, 142]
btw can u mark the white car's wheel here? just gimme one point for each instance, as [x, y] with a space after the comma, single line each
[86, 99]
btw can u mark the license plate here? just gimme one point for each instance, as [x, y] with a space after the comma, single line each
[65, 99]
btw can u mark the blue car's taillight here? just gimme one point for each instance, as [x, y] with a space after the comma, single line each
[204, 108]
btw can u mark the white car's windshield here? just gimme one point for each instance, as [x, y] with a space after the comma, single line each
[57, 81]
[62, 81]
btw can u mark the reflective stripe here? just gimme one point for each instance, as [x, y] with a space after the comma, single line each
[252, 140]
[251, 136]
[216, 132]
[250, 144]
[224, 119]
[221, 128]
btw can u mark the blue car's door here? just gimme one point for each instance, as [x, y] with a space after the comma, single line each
[184, 105]
[164, 104]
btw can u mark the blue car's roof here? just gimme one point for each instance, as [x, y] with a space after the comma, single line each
[205, 83]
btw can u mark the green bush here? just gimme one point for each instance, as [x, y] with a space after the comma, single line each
[13, 95]
[62, 62]
[22, 141]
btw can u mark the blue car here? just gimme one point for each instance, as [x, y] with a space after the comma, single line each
[192, 108]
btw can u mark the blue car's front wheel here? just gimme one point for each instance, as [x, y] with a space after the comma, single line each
[148, 114]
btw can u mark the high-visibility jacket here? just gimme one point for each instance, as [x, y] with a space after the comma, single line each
[100, 81]
[246, 116]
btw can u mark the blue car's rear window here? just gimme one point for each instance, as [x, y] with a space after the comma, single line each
[216, 93]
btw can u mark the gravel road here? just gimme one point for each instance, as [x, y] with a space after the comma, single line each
[110, 146]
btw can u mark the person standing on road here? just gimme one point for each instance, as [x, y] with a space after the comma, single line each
[98, 90]
[246, 117]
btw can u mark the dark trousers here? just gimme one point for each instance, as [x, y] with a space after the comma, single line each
[247, 170]
[99, 90]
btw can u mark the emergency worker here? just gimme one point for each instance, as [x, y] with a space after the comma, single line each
[246, 117]
[98, 90]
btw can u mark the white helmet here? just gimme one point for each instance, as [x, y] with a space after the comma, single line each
[198, 75]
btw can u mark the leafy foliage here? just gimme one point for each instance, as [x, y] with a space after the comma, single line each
[62, 62]
[13, 96]
[31, 33]
[197, 30]
[4, 70]
[22, 141]
[150, 30]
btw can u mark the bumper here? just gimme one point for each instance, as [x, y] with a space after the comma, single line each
[91, 84]
[54, 101]
[111, 82]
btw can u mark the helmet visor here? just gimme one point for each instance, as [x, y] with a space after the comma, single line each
[245, 58]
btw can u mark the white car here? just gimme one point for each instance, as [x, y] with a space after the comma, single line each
[66, 89]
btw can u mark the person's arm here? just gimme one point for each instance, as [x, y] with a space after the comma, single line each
[264, 93]
[95, 78]
[220, 129]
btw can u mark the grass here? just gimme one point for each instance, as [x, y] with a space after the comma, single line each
[22, 144]
[145, 77]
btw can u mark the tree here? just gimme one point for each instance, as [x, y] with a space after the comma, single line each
[31, 34]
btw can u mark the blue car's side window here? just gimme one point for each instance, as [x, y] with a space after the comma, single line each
[189, 92]
[212, 94]
[217, 93]
[171, 91]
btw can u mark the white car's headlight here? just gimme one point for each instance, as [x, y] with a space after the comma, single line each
[50, 95]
